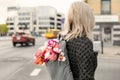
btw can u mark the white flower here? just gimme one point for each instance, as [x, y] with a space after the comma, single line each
[51, 42]
[60, 50]
[63, 59]
[49, 47]
[62, 53]
[47, 55]
[59, 59]
[56, 50]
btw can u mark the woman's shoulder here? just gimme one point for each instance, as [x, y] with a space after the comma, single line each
[81, 39]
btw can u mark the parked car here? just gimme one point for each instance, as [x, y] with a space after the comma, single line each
[22, 38]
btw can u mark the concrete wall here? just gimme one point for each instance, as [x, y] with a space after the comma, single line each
[95, 5]
[115, 7]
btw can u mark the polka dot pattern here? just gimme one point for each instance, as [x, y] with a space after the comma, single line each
[83, 60]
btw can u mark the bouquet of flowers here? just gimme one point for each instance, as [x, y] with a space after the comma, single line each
[49, 52]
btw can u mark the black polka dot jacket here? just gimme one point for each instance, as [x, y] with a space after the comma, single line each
[83, 60]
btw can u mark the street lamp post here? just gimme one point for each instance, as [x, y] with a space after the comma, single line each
[102, 43]
[102, 47]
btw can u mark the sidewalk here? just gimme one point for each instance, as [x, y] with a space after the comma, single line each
[5, 38]
[110, 51]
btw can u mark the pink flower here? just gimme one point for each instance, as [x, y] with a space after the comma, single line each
[42, 49]
[35, 60]
[46, 60]
[39, 54]
[49, 47]
[49, 52]
[57, 45]
[56, 50]
[51, 43]
[53, 56]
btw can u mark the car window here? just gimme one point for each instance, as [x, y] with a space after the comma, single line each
[20, 33]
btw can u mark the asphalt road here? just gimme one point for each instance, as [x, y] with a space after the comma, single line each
[16, 63]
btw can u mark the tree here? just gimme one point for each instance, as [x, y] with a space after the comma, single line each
[3, 28]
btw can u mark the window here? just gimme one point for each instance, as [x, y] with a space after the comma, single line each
[20, 28]
[51, 23]
[51, 18]
[43, 18]
[117, 29]
[42, 27]
[96, 37]
[107, 30]
[10, 19]
[59, 24]
[28, 13]
[41, 32]
[59, 28]
[58, 19]
[11, 28]
[96, 29]
[105, 6]
[58, 15]
[44, 23]
[7, 19]
[27, 23]
[25, 18]
[86, 1]
[19, 14]
[116, 42]
[28, 18]
[34, 22]
[19, 18]
[11, 23]
[117, 35]
[7, 23]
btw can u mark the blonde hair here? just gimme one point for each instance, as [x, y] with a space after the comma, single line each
[79, 21]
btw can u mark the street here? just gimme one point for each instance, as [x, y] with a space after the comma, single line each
[16, 63]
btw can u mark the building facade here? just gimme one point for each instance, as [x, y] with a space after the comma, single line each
[34, 19]
[107, 17]
[24, 19]
[48, 17]
[11, 19]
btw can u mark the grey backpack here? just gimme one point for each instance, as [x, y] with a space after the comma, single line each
[60, 70]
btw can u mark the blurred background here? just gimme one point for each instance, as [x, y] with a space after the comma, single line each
[25, 25]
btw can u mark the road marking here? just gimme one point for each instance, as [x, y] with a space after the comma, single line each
[35, 72]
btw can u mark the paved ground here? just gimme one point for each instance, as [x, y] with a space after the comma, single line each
[111, 51]
[16, 63]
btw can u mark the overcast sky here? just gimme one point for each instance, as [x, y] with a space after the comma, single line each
[60, 5]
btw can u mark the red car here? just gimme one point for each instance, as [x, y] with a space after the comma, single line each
[22, 38]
